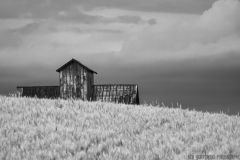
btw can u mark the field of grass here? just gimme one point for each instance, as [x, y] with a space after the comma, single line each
[33, 128]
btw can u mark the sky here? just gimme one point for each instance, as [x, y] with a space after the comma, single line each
[178, 51]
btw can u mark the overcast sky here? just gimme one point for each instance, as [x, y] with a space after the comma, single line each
[177, 51]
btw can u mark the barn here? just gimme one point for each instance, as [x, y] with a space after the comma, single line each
[77, 81]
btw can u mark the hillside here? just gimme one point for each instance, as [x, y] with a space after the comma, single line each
[57, 129]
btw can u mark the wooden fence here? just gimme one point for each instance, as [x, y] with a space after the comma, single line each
[117, 93]
[51, 92]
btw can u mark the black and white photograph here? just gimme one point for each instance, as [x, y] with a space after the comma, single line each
[119, 79]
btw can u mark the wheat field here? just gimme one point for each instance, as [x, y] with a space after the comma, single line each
[32, 128]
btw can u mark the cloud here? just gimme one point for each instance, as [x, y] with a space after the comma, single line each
[45, 9]
[129, 19]
[222, 20]
[12, 38]
[217, 30]
[152, 21]
[9, 40]
[75, 15]
[27, 29]
[24, 8]
[173, 6]
[112, 31]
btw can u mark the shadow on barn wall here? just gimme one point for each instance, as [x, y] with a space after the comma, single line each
[77, 81]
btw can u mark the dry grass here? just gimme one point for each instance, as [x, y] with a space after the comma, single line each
[33, 128]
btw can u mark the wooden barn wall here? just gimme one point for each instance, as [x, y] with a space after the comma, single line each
[75, 82]
[78, 81]
[51, 92]
[127, 94]
[84, 84]
[89, 85]
[67, 82]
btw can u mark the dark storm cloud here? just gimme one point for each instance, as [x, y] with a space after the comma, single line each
[208, 84]
[197, 83]
[26, 75]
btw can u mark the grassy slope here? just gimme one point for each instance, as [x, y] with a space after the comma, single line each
[57, 129]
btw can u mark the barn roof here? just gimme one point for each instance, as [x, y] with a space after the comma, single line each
[74, 60]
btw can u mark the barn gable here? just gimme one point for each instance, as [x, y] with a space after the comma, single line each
[74, 60]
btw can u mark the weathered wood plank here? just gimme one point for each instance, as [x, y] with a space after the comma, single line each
[74, 79]
[82, 80]
[88, 85]
[78, 81]
[65, 83]
[71, 80]
[60, 81]
[85, 84]
[127, 94]
[40, 91]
